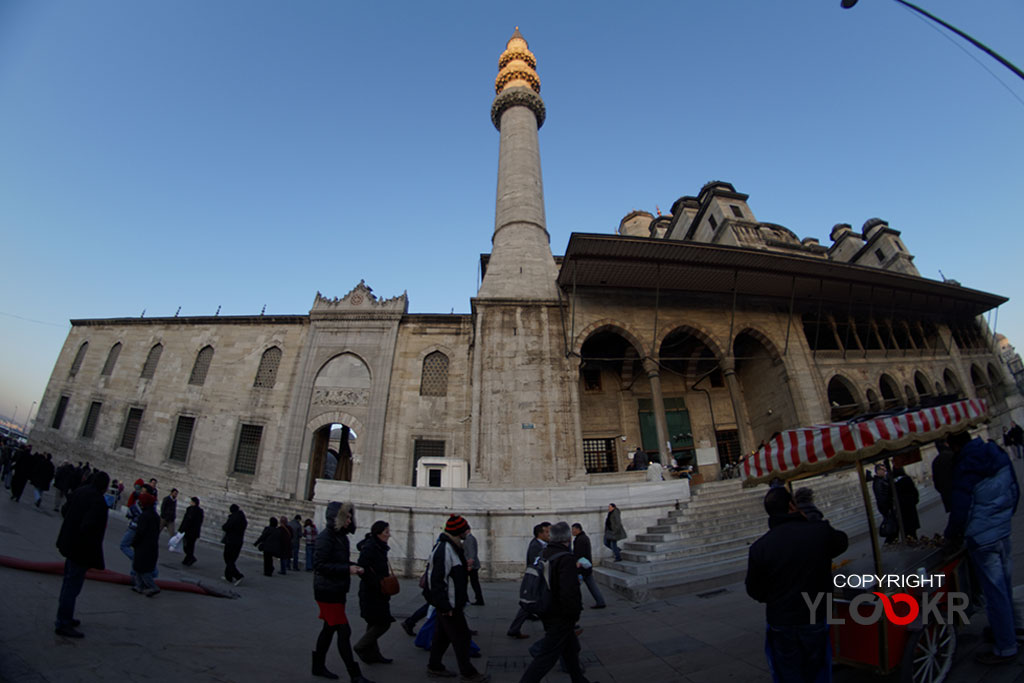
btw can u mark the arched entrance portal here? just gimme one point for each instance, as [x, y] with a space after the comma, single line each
[331, 454]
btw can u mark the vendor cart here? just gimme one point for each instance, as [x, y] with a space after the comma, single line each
[922, 650]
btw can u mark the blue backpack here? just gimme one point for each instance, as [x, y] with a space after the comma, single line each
[535, 588]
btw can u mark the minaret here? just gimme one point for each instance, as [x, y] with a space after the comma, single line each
[521, 265]
[525, 407]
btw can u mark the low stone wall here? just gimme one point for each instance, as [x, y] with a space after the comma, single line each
[502, 519]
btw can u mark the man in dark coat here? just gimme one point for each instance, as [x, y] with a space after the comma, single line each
[881, 485]
[24, 462]
[582, 550]
[295, 529]
[191, 525]
[147, 546]
[81, 543]
[269, 543]
[560, 640]
[794, 558]
[541, 532]
[169, 511]
[64, 481]
[42, 475]
[234, 537]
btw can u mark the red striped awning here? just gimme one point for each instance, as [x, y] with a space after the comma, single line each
[811, 449]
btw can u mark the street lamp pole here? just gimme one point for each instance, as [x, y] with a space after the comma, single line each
[847, 4]
[28, 420]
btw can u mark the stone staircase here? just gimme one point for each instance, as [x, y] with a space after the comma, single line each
[703, 544]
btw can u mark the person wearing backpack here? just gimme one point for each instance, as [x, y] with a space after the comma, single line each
[447, 590]
[565, 603]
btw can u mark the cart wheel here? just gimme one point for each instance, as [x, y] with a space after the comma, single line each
[929, 654]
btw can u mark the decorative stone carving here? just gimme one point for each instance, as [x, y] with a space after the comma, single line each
[341, 397]
[518, 96]
[360, 300]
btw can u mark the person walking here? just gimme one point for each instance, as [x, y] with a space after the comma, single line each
[448, 592]
[984, 500]
[309, 535]
[907, 498]
[333, 570]
[473, 563]
[234, 537]
[147, 546]
[560, 640]
[80, 542]
[295, 529]
[42, 475]
[541, 532]
[881, 486]
[169, 512]
[788, 564]
[63, 484]
[285, 544]
[191, 526]
[614, 531]
[374, 604]
[24, 463]
[269, 543]
[582, 551]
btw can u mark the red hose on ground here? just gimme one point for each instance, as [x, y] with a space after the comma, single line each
[109, 576]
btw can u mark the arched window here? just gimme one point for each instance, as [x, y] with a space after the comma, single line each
[108, 367]
[891, 398]
[76, 364]
[434, 381]
[202, 366]
[149, 367]
[922, 384]
[952, 383]
[842, 397]
[266, 375]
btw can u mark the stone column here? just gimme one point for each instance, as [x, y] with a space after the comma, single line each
[658, 405]
[739, 408]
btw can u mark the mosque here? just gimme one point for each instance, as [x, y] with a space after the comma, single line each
[694, 335]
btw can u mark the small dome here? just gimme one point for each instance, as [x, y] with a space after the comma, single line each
[838, 230]
[872, 225]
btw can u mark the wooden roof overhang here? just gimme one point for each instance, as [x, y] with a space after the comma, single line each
[667, 266]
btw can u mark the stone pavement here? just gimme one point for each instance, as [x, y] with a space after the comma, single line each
[267, 633]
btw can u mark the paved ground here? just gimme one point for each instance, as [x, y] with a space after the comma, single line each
[268, 631]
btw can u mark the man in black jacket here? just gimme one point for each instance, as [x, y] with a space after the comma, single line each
[581, 550]
[234, 537]
[560, 638]
[169, 511]
[81, 543]
[448, 591]
[541, 532]
[787, 566]
[191, 525]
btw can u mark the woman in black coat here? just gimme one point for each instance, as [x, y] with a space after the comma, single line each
[147, 546]
[374, 606]
[269, 543]
[333, 569]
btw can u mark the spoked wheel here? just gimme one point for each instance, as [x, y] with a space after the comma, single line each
[929, 654]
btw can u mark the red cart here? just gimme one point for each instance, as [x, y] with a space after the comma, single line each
[922, 650]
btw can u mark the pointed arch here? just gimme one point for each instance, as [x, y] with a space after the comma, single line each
[201, 367]
[266, 374]
[112, 356]
[609, 324]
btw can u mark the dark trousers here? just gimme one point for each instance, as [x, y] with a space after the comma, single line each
[368, 645]
[451, 630]
[295, 557]
[268, 564]
[189, 542]
[799, 654]
[474, 581]
[517, 624]
[418, 614]
[559, 641]
[74, 579]
[231, 553]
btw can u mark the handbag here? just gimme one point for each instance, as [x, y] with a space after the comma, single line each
[389, 584]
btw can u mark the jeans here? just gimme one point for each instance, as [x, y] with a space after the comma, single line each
[614, 547]
[309, 557]
[559, 641]
[591, 584]
[994, 566]
[799, 654]
[284, 566]
[126, 545]
[74, 579]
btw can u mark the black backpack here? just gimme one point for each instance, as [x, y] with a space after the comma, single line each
[535, 588]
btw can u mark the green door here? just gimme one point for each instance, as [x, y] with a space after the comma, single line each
[678, 420]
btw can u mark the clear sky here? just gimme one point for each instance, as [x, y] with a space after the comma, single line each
[249, 153]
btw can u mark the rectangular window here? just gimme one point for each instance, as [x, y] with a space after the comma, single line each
[248, 449]
[713, 222]
[736, 211]
[435, 477]
[182, 438]
[425, 448]
[728, 446]
[131, 428]
[89, 428]
[599, 455]
[58, 415]
[880, 254]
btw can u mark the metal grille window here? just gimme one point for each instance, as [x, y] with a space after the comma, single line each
[434, 381]
[728, 446]
[425, 448]
[266, 375]
[248, 449]
[76, 364]
[599, 455]
[108, 367]
[58, 415]
[89, 428]
[182, 438]
[149, 368]
[131, 428]
[201, 367]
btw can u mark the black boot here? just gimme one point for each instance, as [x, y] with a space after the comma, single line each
[318, 666]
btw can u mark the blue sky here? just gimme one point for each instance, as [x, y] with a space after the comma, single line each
[243, 153]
